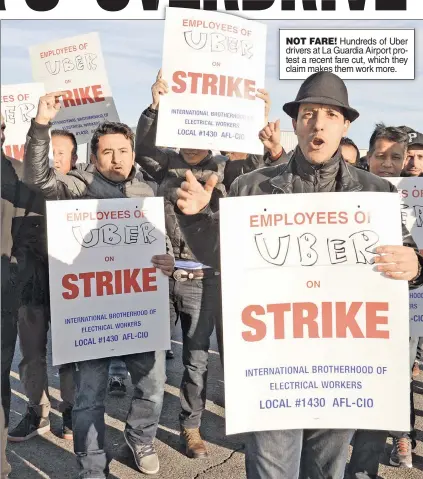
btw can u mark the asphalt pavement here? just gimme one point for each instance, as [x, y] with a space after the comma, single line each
[50, 456]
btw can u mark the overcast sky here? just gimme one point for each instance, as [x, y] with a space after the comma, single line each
[133, 50]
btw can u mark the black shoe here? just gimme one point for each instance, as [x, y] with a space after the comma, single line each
[67, 432]
[117, 386]
[145, 455]
[170, 354]
[31, 425]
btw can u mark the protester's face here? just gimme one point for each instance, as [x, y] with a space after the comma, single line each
[349, 153]
[63, 156]
[319, 129]
[115, 157]
[387, 158]
[414, 161]
[3, 128]
[192, 156]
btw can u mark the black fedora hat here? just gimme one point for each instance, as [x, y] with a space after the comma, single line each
[322, 88]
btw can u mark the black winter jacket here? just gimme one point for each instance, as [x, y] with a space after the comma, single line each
[24, 278]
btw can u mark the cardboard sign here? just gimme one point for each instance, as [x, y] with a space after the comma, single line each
[411, 193]
[214, 64]
[76, 66]
[106, 297]
[316, 336]
[18, 106]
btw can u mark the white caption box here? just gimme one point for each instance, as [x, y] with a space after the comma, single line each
[361, 54]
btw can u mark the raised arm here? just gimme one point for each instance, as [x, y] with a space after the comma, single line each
[37, 171]
[154, 160]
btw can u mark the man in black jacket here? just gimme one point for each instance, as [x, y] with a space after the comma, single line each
[112, 174]
[321, 116]
[23, 288]
[195, 286]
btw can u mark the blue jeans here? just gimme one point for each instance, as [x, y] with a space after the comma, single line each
[197, 303]
[297, 454]
[148, 377]
[117, 368]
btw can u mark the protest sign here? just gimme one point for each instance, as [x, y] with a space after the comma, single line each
[316, 336]
[214, 64]
[76, 66]
[18, 106]
[106, 297]
[411, 193]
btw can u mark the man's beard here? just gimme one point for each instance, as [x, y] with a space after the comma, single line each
[406, 174]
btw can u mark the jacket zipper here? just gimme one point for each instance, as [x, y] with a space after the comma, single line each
[316, 180]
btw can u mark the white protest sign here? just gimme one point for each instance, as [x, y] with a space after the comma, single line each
[214, 64]
[76, 66]
[106, 297]
[411, 193]
[316, 337]
[18, 106]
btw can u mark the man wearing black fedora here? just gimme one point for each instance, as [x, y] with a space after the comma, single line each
[321, 116]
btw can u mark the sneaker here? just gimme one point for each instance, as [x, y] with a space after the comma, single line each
[170, 354]
[401, 453]
[67, 432]
[145, 455]
[416, 369]
[31, 425]
[193, 443]
[117, 386]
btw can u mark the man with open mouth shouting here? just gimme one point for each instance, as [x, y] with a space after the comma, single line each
[321, 116]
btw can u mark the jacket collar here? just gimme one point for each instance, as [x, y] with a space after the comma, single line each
[201, 163]
[346, 175]
[130, 177]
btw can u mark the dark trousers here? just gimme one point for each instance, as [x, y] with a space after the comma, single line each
[297, 454]
[148, 377]
[9, 332]
[367, 449]
[370, 445]
[31, 323]
[198, 305]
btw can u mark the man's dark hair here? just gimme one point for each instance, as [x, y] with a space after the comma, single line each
[345, 141]
[390, 133]
[66, 134]
[111, 128]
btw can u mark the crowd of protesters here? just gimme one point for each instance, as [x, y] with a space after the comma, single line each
[191, 181]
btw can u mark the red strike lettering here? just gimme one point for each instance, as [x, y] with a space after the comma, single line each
[309, 320]
[107, 283]
[83, 96]
[210, 84]
[15, 151]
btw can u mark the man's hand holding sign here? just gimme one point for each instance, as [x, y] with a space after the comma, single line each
[397, 262]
